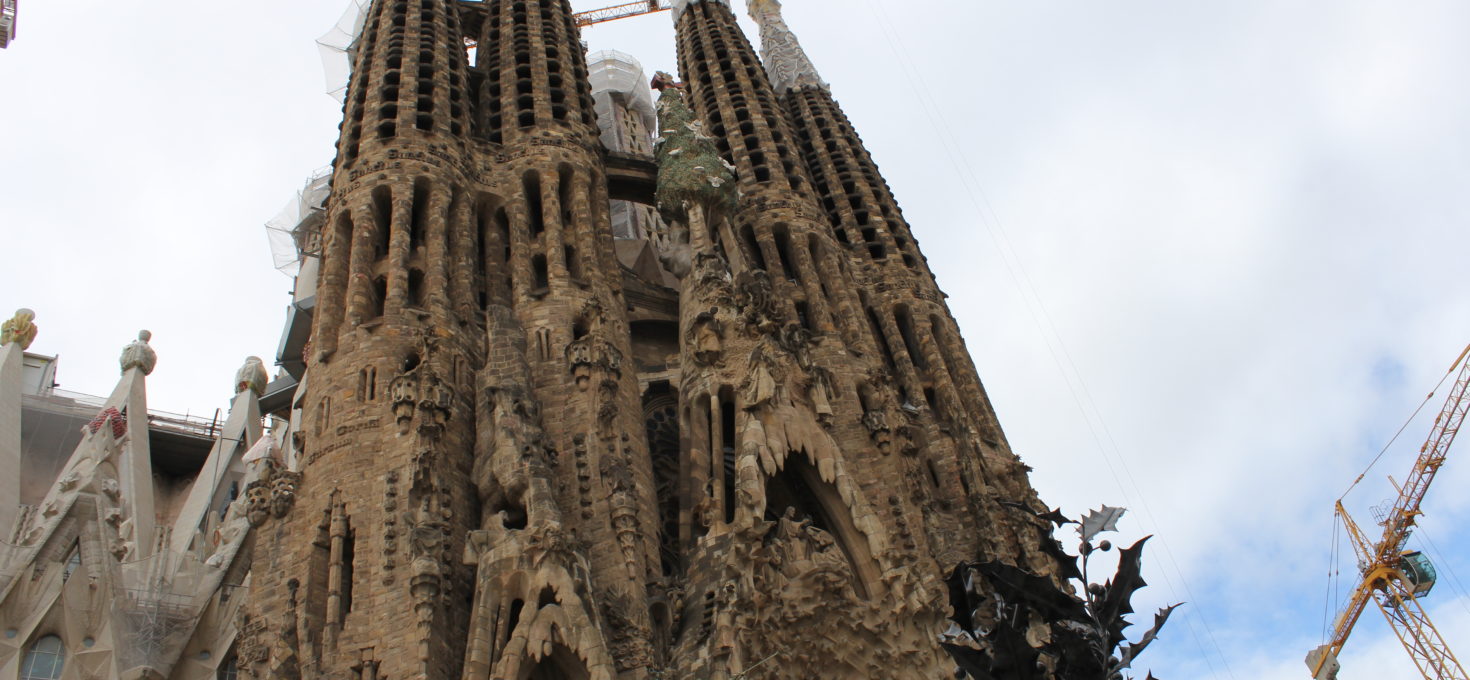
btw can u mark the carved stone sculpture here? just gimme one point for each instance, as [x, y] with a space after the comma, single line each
[753, 294]
[257, 502]
[20, 329]
[252, 376]
[138, 354]
[706, 336]
[112, 420]
[283, 492]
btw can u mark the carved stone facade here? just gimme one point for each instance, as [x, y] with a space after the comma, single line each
[749, 447]
[742, 441]
[131, 548]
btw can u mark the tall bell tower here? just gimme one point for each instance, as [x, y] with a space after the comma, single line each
[361, 578]
[748, 446]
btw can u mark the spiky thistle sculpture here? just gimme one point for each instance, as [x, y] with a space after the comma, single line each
[1010, 624]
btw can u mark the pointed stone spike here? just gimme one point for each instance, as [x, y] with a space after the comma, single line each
[768, 462]
[242, 428]
[828, 469]
[844, 489]
[776, 438]
[135, 465]
[12, 368]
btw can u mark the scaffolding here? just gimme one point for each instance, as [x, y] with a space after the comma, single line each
[156, 611]
[7, 22]
[338, 47]
[295, 232]
[610, 71]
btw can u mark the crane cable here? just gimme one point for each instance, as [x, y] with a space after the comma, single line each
[1330, 601]
[1022, 282]
[1463, 596]
[1405, 426]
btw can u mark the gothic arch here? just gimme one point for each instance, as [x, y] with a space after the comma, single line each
[799, 486]
[661, 419]
[561, 664]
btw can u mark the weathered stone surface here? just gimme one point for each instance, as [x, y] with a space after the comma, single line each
[518, 458]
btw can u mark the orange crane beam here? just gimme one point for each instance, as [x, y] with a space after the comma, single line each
[623, 11]
[594, 16]
[1390, 577]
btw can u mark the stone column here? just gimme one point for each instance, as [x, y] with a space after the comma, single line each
[11, 368]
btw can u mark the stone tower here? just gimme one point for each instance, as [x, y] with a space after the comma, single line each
[749, 446]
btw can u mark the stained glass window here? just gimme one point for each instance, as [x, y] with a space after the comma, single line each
[44, 660]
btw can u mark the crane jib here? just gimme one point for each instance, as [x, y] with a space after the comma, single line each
[1393, 579]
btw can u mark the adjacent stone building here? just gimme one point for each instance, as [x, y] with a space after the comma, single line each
[122, 551]
[571, 389]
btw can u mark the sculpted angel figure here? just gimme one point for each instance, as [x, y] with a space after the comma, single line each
[20, 329]
[252, 376]
[138, 354]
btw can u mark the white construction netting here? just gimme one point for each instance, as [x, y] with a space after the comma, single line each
[156, 606]
[612, 71]
[339, 46]
[296, 231]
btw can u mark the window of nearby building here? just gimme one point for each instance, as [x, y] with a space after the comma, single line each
[44, 660]
[229, 670]
[73, 562]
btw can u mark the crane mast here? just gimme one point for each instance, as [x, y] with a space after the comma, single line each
[1392, 579]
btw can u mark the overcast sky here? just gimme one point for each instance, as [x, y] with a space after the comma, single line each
[1208, 257]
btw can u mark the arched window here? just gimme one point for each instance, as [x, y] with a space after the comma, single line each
[73, 562]
[229, 670]
[44, 660]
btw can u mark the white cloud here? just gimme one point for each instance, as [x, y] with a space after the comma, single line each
[1244, 219]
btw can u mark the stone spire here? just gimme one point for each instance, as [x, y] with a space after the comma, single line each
[786, 62]
[680, 5]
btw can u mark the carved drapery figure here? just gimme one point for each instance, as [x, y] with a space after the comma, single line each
[593, 351]
[753, 295]
[252, 376]
[762, 379]
[706, 337]
[138, 354]
[19, 329]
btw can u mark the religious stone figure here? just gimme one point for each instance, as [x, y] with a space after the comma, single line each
[138, 354]
[252, 376]
[20, 329]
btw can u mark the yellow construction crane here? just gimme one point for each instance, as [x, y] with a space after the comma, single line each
[597, 16]
[1392, 578]
[623, 11]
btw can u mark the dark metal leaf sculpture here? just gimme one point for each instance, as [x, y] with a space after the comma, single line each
[1130, 652]
[1017, 586]
[1084, 636]
[970, 660]
[1066, 564]
[962, 597]
[1116, 600]
[1055, 516]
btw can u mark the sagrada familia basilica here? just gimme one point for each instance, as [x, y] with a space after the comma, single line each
[577, 385]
